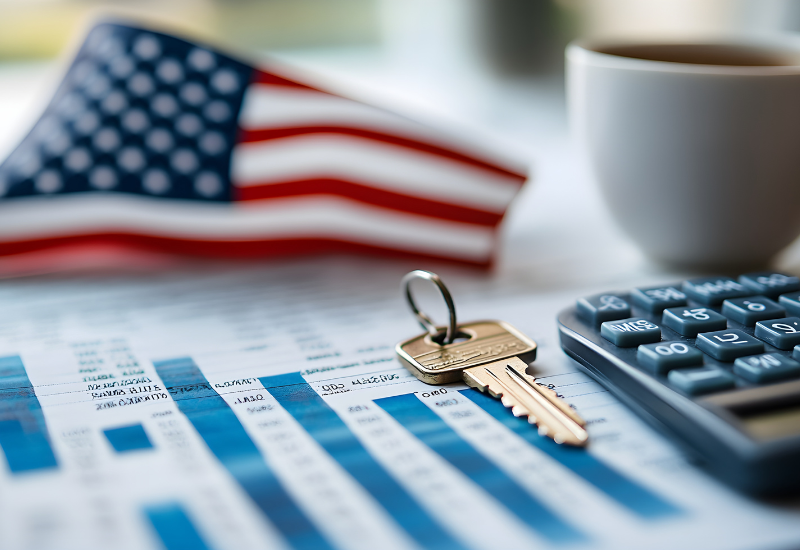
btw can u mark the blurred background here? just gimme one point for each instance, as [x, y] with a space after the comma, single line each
[507, 36]
[449, 47]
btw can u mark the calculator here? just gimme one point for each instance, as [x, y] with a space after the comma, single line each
[714, 362]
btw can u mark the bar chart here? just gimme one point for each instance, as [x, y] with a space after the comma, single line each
[226, 437]
[426, 425]
[174, 527]
[325, 426]
[625, 491]
[27, 447]
[128, 438]
[221, 430]
[23, 431]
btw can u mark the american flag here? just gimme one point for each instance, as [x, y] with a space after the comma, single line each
[153, 141]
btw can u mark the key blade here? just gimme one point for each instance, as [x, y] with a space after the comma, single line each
[507, 381]
[529, 383]
[496, 389]
[554, 405]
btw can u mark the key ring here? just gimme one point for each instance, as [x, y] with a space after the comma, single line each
[422, 318]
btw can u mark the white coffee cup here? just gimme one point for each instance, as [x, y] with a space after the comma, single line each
[696, 147]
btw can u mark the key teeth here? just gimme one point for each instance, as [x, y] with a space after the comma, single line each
[518, 411]
[475, 383]
[508, 402]
[543, 431]
[497, 395]
[541, 397]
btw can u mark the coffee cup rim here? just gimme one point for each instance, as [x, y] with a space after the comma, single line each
[585, 50]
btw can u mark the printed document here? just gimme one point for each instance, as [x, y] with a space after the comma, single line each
[264, 407]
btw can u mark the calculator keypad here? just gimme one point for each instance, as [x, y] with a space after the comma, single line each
[718, 333]
[723, 375]
[728, 344]
[603, 307]
[770, 284]
[701, 380]
[791, 303]
[658, 298]
[628, 333]
[748, 311]
[662, 357]
[782, 333]
[689, 321]
[712, 291]
[769, 367]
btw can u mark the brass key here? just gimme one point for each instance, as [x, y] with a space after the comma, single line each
[490, 356]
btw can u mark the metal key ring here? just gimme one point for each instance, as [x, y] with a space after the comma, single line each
[424, 320]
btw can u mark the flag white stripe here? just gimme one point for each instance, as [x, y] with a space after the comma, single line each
[374, 164]
[306, 217]
[268, 106]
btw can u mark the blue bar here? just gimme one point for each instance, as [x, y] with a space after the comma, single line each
[627, 492]
[226, 437]
[428, 427]
[128, 438]
[174, 527]
[327, 429]
[23, 431]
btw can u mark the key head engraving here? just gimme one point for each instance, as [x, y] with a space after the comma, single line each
[442, 364]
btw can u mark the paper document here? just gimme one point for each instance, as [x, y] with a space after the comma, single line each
[264, 408]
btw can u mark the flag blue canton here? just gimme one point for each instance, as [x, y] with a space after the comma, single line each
[138, 112]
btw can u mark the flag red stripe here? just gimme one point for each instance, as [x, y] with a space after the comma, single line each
[226, 249]
[267, 134]
[263, 77]
[368, 195]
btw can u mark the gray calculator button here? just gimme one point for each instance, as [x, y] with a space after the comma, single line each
[727, 345]
[665, 356]
[769, 367]
[603, 307]
[752, 309]
[656, 299]
[781, 333]
[791, 303]
[770, 283]
[712, 291]
[628, 333]
[701, 379]
[690, 321]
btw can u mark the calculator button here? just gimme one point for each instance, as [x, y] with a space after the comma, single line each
[781, 333]
[656, 299]
[712, 291]
[749, 311]
[770, 284]
[603, 307]
[689, 321]
[628, 333]
[791, 303]
[769, 367]
[665, 356]
[701, 379]
[727, 345]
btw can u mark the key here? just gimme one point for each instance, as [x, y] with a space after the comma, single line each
[490, 356]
